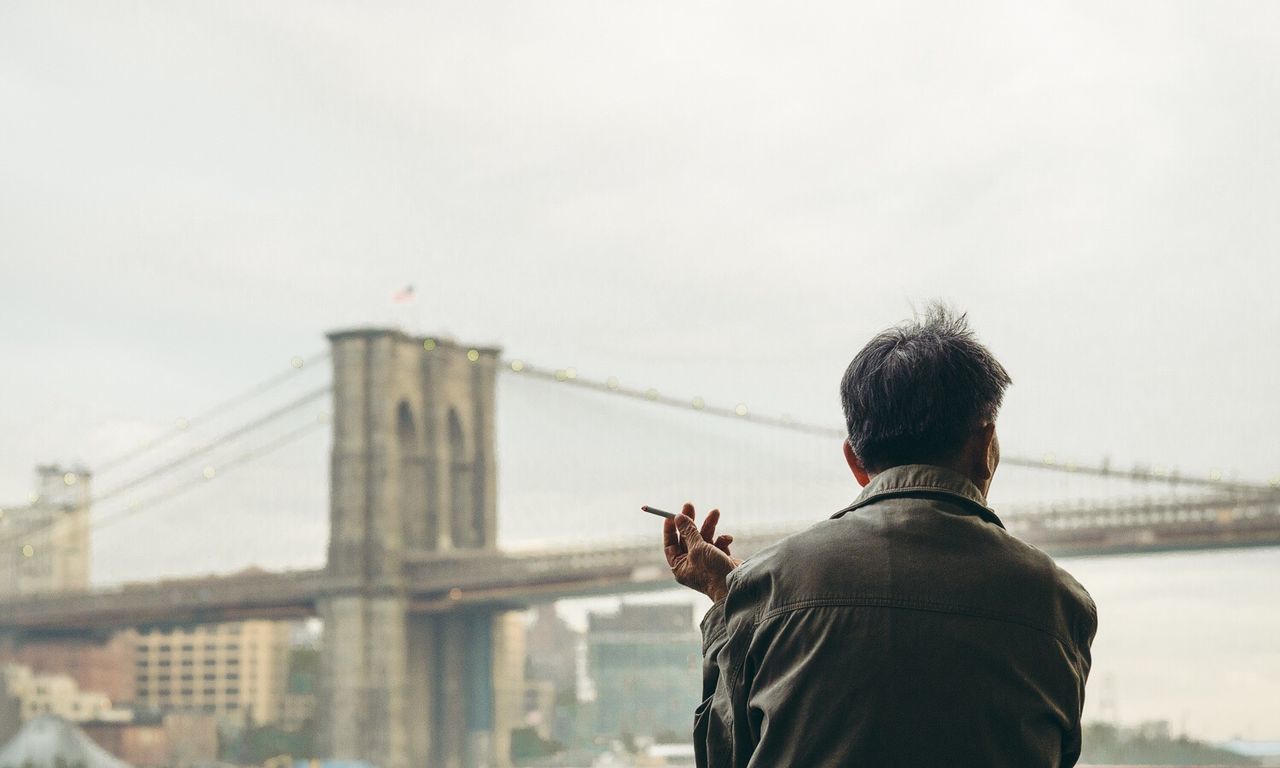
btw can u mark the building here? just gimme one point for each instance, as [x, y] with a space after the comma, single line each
[96, 664]
[28, 696]
[142, 745]
[553, 650]
[44, 546]
[645, 662]
[236, 670]
[58, 695]
[556, 677]
[177, 739]
[298, 708]
[540, 707]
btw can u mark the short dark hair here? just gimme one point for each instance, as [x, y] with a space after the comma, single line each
[917, 390]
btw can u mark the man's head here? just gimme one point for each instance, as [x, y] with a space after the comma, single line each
[924, 392]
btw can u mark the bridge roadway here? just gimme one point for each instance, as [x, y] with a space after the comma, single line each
[436, 584]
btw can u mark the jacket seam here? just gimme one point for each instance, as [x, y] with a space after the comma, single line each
[890, 492]
[918, 605]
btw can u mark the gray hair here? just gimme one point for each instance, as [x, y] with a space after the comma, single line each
[917, 390]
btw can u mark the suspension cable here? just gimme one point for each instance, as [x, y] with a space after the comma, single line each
[169, 466]
[236, 461]
[181, 488]
[740, 412]
[296, 365]
[222, 439]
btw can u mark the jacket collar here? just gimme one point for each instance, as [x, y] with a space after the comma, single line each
[923, 480]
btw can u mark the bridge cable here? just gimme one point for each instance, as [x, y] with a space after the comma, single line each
[244, 458]
[181, 488]
[740, 412]
[170, 466]
[222, 439]
[261, 387]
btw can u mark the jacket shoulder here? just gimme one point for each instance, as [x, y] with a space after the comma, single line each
[1074, 611]
[785, 569]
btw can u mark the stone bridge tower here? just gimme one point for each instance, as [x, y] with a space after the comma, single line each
[412, 479]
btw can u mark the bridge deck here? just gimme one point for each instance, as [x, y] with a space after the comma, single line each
[486, 578]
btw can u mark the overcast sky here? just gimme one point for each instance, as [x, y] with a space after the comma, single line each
[723, 199]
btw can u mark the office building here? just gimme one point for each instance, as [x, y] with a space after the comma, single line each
[645, 664]
[236, 670]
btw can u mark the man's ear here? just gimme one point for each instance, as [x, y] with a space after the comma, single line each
[855, 465]
[984, 455]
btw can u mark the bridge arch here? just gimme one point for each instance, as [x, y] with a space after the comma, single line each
[462, 517]
[413, 498]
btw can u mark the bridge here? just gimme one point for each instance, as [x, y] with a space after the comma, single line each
[416, 594]
[442, 582]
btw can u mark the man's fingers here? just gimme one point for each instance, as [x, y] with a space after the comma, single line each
[709, 525]
[671, 542]
[687, 528]
[723, 543]
[669, 535]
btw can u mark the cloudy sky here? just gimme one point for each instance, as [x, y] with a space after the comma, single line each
[722, 199]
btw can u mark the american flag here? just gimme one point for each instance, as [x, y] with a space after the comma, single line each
[404, 295]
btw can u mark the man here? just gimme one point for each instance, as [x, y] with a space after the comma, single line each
[910, 629]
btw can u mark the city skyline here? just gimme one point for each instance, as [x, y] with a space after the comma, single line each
[723, 202]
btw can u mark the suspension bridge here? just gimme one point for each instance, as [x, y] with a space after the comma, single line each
[415, 588]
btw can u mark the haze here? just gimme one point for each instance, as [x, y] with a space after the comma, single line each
[717, 198]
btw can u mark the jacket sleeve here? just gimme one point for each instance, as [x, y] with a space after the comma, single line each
[723, 733]
[713, 719]
[1072, 742]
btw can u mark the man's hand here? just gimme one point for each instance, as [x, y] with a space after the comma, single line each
[697, 558]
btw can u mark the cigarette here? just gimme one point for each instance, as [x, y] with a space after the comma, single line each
[658, 512]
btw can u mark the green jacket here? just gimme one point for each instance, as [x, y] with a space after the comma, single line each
[910, 629]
